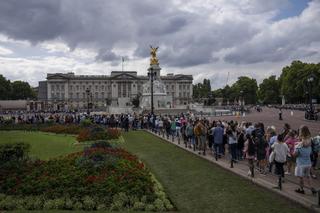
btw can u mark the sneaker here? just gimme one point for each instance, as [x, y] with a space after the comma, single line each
[300, 191]
[249, 173]
[287, 173]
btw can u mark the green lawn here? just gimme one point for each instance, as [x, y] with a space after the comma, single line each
[193, 184]
[43, 145]
[196, 185]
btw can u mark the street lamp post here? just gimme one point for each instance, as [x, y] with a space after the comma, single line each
[152, 75]
[241, 104]
[311, 111]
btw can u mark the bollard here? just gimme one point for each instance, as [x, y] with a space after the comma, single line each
[231, 163]
[280, 183]
[252, 171]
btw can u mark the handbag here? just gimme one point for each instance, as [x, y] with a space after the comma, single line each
[272, 157]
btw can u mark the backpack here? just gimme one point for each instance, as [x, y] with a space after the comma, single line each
[189, 131]
[197, 130]
[316, 144]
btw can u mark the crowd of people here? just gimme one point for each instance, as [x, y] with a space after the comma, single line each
[284, 151]
[288, 152]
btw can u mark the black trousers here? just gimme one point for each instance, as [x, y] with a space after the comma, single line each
[279, 168]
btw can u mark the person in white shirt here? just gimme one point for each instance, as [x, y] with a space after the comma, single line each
[281, 151]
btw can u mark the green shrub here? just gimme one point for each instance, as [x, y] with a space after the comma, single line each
[150, 208]
[68, 204]
[48, 204]
[78, 206]
[86, 123]
[88, 203]
[13, 152]
[101, 207]
[167, 204]
[158, 204]
[101, 144]
[8, 203]
[139, 206]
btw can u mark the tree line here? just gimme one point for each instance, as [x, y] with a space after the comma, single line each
[292, 84]
[16, 90]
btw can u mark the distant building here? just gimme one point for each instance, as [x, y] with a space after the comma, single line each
[69, 91]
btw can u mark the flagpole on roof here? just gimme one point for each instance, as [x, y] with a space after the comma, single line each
[122, 60]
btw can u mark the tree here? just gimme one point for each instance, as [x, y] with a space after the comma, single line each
[202, 90]
[294, 84]
[21, 91]
[5, 88]
[269, 91]
[245, 87]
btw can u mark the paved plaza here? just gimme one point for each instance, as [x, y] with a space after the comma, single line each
[269, 116]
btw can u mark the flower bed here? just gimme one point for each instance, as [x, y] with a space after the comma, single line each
[63, 129]
[23, 127]
[97, 178]
[95, 132]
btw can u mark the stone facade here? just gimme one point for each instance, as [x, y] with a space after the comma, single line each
[69, 91]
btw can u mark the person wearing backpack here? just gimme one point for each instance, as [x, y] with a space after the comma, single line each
[315, 147]
[262, 145]
[190, 134]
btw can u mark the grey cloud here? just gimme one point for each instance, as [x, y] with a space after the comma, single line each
[282, 40]
[185, 38]
[106, 55]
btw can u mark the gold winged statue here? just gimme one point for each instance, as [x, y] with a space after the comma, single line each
[153, 51]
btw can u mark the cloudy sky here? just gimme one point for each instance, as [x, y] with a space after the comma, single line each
[205, 38]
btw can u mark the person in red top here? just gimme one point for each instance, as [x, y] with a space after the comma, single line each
[291, 141]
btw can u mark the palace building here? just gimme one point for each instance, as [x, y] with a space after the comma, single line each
[67, 91]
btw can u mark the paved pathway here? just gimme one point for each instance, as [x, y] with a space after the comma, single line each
[268, 181]
[269, 116]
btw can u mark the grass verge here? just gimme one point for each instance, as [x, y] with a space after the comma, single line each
[43, 145]
[196, 185]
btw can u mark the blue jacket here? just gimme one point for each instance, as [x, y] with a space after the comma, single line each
[218, 135]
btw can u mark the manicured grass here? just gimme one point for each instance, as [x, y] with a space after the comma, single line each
[196, 185]
[193, 184]
[43, 145]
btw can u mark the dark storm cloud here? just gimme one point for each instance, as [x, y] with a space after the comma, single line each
[107, 55]
[185, 38]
